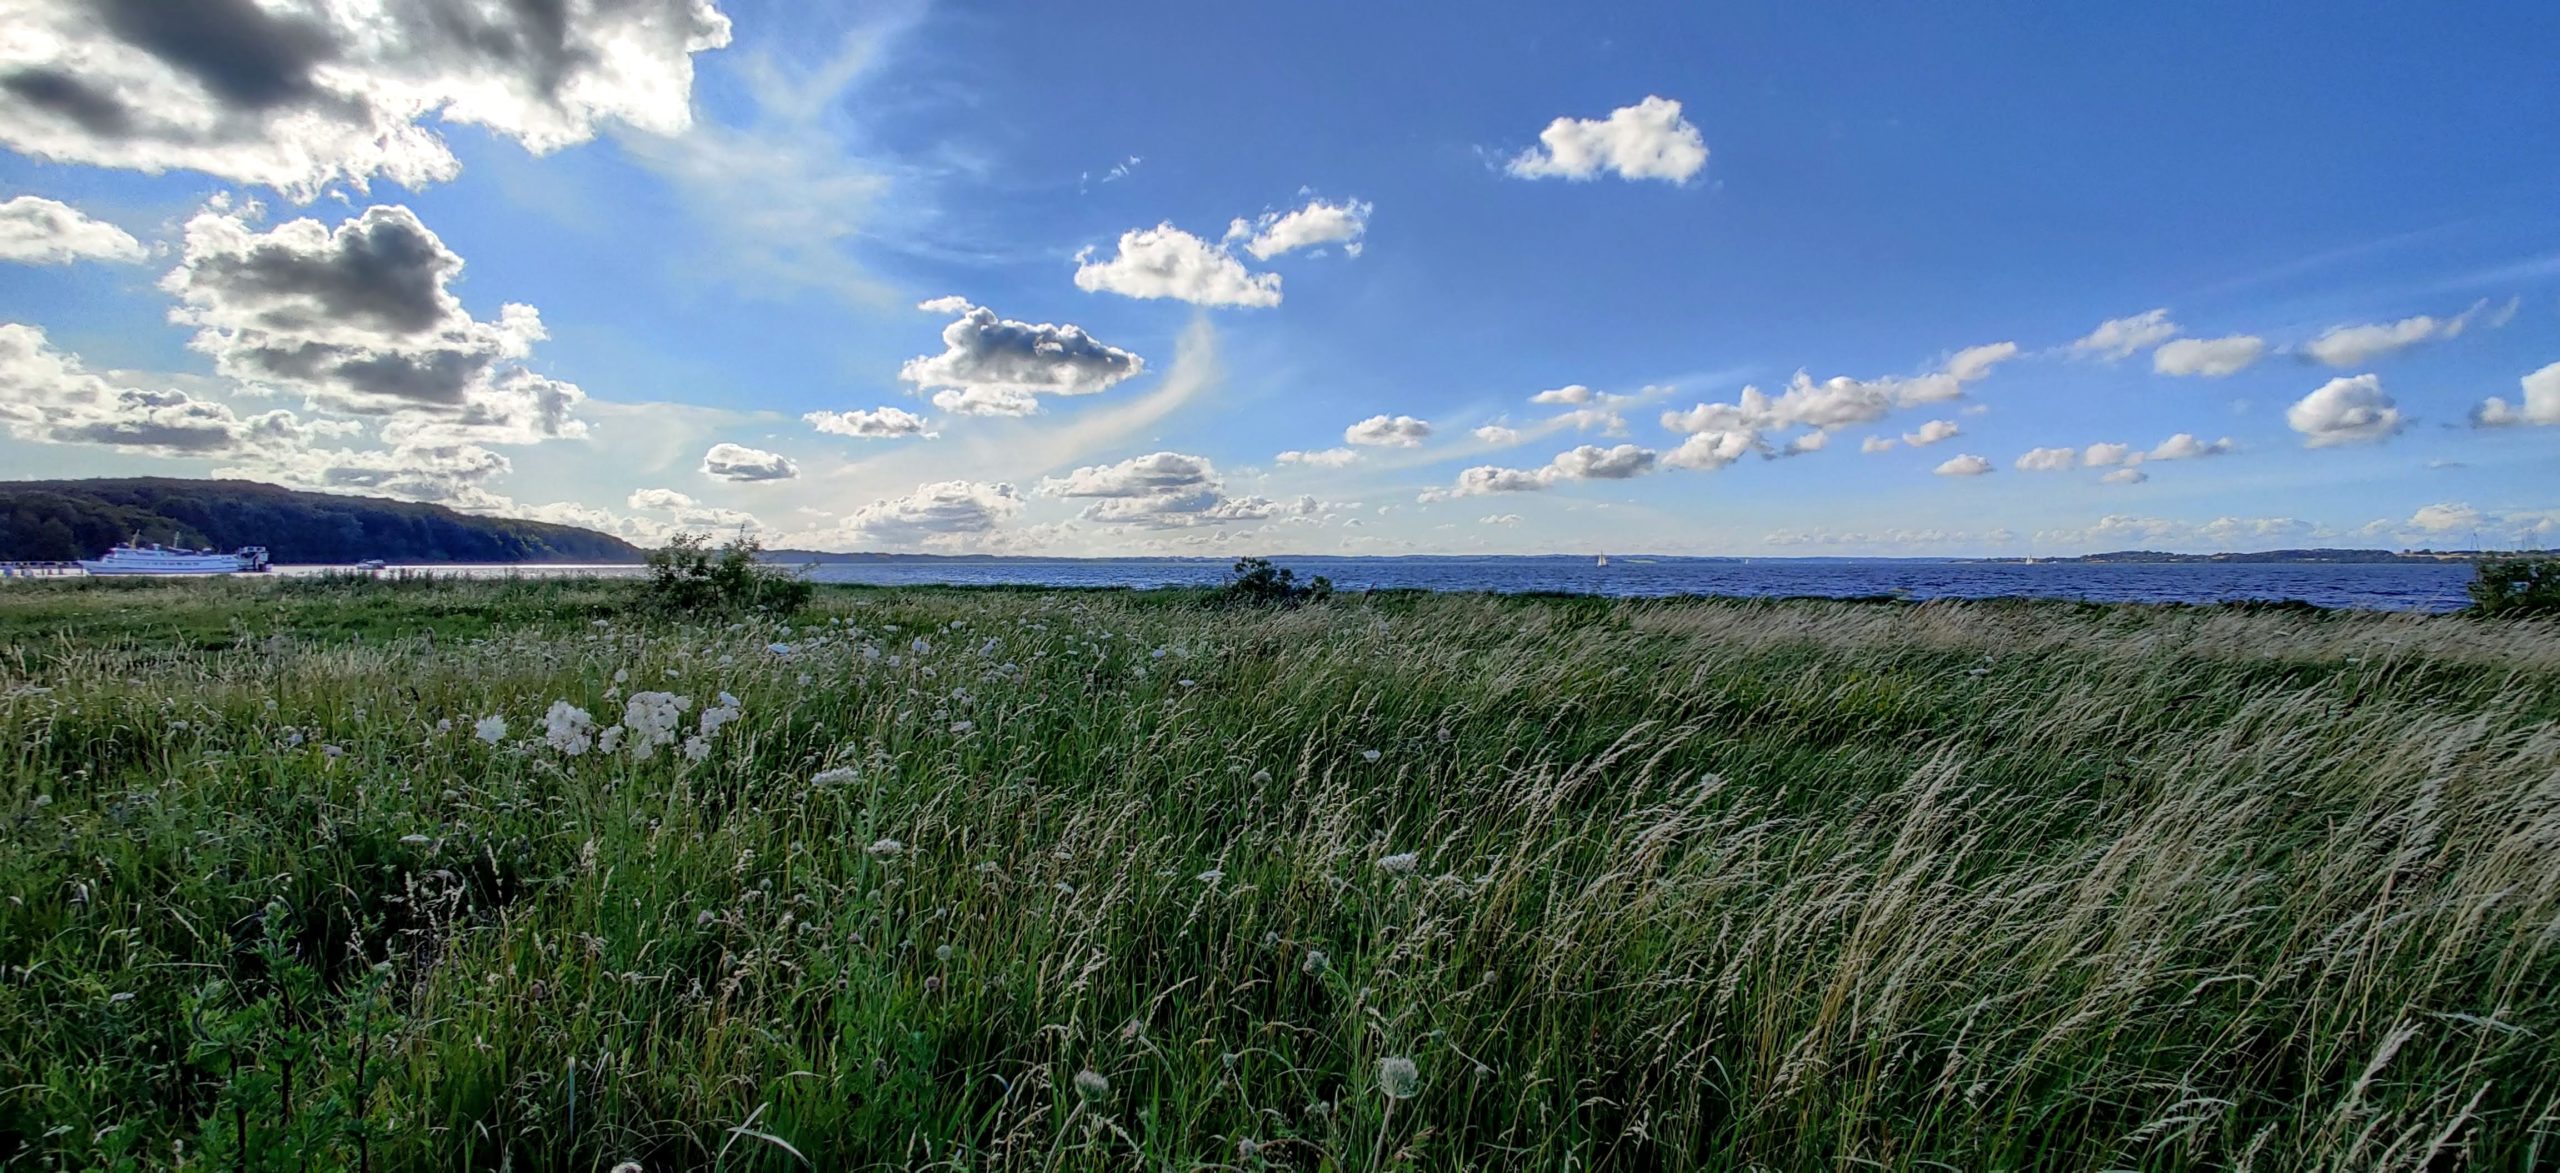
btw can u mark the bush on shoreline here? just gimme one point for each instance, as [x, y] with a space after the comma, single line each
[2516, 586]
[688, 577]
[1257, 581]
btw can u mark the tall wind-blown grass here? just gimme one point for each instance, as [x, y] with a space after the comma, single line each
[1054, 880]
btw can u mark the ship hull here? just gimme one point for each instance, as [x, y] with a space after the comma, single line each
[110, 570]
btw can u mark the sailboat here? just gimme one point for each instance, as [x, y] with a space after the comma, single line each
[1602, 560]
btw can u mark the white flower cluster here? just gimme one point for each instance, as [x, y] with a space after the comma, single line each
[568, 728]
[698, 747]
[652, 717]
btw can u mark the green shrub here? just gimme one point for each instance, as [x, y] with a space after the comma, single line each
[1257, 581]
[688, 577]
[2516, 586]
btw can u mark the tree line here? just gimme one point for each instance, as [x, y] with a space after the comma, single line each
[51, 521]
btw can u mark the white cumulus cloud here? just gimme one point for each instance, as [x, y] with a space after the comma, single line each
[1167, 491]
[2048, 459]
[2345, 410]
[934, 513]
[1314, 226]
[2109, 455]
[1165, 261]
[2185, 446]
[1583, 462]
[1383, 431]
[38, 231]
[2444, 517]
[2348, 346]
[1649, 140]
[998, 366]
[1930, 433]
[2211, 358]
[737, 462]
[2118, 338]
[883, 423]
[2539, 405]
[1321, 458]
[1836, 402]
[1967, 465]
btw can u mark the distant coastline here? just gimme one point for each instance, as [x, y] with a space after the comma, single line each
[2315, 555]
[2309, 556]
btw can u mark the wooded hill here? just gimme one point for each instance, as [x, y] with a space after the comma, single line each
[61, 520]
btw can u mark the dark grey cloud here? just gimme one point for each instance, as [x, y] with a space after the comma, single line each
[242, 54]
[90, 108]
[382, 269]
[48, 396]
[360, 318]
[337, 92]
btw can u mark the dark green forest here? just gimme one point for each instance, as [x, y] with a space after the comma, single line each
[61, 520]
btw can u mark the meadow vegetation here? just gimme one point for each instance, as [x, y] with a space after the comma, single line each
[393, 875]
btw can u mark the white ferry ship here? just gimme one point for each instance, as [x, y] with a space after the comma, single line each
[136, 558]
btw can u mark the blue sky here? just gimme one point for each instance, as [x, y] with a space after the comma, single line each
[2055, 279]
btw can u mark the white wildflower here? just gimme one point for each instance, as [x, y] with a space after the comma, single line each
[1401, 863]
[921, 646]
[651, 717]
[718, 715]
[1398, 1077]
[609, 740]
[779, 649]
[696, 749]
[838, 776]
[1317, 961]
[491, 729]
[568, 728]
[1092, 1086]
[886, 849]
[959, 727]
[1369, 755]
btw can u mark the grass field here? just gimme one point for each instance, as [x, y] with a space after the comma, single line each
[390, 876]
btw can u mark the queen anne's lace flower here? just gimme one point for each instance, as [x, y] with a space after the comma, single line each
[652, 717]
[568, 728]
